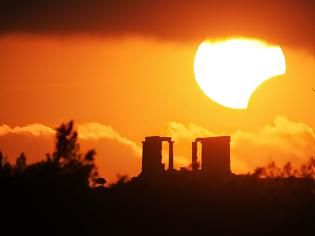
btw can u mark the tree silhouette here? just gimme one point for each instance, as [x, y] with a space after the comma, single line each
[67, 146]
[67, 157]
[100, 182]
[55, 193]
[5, 166]
[20, 163]
[66, 164]
[307, 170]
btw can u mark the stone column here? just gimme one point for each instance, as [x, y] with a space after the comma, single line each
[171, 157]
[194, 163]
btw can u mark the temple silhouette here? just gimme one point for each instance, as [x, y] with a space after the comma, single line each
[214, 160]
[203, 199]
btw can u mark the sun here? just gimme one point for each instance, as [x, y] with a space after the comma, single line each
[229, 71]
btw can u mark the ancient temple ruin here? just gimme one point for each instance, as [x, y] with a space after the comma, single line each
[214, 159]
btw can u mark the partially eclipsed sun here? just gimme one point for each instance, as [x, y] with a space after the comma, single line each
[229, 71]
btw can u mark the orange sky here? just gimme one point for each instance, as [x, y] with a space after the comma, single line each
[136, 86]
[126, 88]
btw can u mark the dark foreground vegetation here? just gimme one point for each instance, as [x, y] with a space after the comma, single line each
[63, 195]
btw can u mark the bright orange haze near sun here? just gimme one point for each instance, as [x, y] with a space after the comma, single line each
[121, 90]
[229, 71]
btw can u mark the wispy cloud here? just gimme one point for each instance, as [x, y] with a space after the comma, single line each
[96, 131]
[87, 131]
[115, 153]
[32, 129]
[281, 141]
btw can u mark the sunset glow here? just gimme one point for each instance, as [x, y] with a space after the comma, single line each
[157, 117]
[229, 71]
[126, 71]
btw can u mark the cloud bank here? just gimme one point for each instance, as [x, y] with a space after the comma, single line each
[87, 131]
[281, 141]
[115, 154]
[33, 130]
[281, 21]
[96, 131]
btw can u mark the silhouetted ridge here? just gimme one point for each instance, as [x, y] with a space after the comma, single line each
[63, 195]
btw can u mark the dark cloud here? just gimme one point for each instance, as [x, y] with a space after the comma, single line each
[282, 21]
